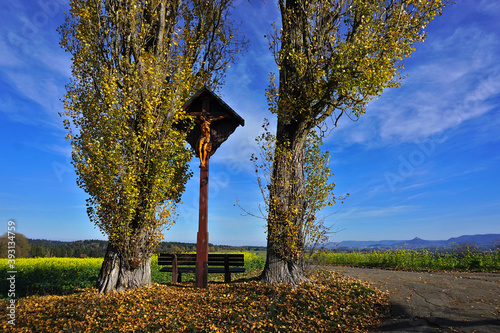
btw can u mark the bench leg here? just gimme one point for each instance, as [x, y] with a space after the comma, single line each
[205, 274]
[175, 273]
[227, 274]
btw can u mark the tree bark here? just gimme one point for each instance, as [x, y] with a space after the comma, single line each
[287, 200]
[285, 243]
[116, 274]
[278, 269]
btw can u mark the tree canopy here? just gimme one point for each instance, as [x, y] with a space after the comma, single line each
[333, 56]
[135, 63]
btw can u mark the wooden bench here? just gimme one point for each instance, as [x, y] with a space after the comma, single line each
[186, 263]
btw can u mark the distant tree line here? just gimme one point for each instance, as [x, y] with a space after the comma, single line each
[41, 248]
[17, 242]
[175, 247]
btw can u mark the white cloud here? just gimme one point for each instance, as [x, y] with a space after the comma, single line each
[31, 61]
[236, 151]
[455, 79]
[8, 58]
[374, 212]
[432, 110]
[487, 6]
[42, 90]
[59, 150]
[56, 61]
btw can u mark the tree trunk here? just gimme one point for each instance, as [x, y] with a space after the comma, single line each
[285, 243]
[287, 199]
[116, 274]
[278, 269]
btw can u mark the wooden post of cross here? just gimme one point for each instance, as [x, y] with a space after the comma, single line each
[202, 237]
[215, 121]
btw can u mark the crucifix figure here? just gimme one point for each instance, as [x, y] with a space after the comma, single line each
[204, 146]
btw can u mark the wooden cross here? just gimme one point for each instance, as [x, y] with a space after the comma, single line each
[215, 121]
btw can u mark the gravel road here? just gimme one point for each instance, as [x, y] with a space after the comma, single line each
[436, 301]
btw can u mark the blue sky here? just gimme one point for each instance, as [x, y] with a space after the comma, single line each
[423, 161]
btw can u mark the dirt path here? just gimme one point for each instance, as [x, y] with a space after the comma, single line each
[436, 302]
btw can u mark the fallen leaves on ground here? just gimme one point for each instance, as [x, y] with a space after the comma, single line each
[329, 303]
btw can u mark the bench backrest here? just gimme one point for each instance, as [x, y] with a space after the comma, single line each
[214, 259]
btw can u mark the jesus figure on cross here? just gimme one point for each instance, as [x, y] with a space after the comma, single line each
[204, 146]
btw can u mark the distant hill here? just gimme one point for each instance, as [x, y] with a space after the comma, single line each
[488, 241]
[416, 243]
[480, 240]
[97, 248]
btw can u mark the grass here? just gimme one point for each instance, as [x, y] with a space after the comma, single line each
[332, 303]
[260, 254]
[403, 259]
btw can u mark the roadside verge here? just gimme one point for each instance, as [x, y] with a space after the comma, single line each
[436, 301]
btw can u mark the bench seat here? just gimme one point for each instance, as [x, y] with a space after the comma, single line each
[210, 269]
[222, 263]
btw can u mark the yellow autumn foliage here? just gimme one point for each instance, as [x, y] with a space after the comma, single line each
[135, 63]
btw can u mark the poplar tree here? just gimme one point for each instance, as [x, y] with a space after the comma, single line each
[333, 57]
[135, 63]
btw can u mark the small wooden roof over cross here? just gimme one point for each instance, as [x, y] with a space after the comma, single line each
[208, 102]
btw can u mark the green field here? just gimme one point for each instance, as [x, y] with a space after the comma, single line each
[467, 260]
[260, 254]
